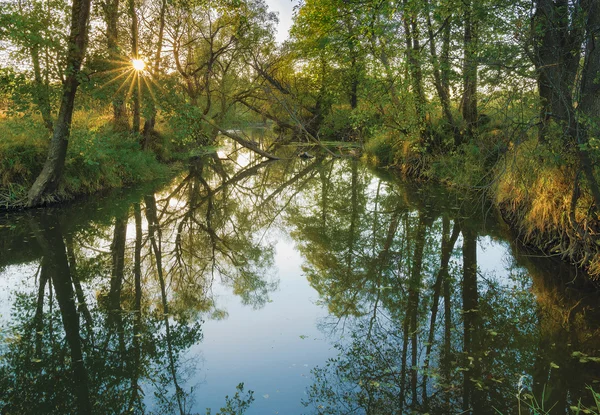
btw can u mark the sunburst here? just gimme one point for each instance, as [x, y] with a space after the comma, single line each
[138, 64]
[132, 74]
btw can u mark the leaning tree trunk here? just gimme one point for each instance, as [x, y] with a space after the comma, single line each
[47, 181]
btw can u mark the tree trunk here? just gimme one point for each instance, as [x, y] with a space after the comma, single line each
[41, 95]
[558, 46]
[557, 55]
[48, 180]
[590, 98]
[151, 121]
[413, 49]
[469, 99]
[440, 72]
[111, 17]
[136, 78]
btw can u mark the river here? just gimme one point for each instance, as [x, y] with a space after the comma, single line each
[324, 286]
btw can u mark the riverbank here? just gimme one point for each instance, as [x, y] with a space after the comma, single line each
[98, 158]
[531, 186]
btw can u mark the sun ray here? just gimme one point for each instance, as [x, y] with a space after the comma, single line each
[155, 83]
[121, 69]
[125, 62]
[149, 88]
[131, 74]
[112, 81]
[132, 85]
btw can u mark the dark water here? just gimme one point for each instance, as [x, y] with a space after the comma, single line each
[322, 286]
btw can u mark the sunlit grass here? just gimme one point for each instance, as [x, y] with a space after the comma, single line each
[98, 158]
[536, 189]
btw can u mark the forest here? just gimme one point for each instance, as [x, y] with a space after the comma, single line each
[495, 96]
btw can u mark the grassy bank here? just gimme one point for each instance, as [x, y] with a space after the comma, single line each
[98, 158]
[531, 185]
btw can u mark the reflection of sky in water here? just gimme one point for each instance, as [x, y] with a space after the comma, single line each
[271, 350]
[14, 279]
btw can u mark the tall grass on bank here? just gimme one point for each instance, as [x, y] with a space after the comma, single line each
[98, 158]
[534, 191]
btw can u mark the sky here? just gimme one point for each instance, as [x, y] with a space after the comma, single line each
[285, 10]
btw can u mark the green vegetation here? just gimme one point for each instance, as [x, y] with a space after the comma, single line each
[97, 159]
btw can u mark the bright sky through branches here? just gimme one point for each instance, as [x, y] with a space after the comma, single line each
[285, 10]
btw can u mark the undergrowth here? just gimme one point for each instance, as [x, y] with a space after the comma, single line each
[98, 158]
[534, 192]
[529, 404]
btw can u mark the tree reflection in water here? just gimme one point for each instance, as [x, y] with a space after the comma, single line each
[138, 278]
[423, 329]
[123, 285]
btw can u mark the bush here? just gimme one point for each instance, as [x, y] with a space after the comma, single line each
[380, 149]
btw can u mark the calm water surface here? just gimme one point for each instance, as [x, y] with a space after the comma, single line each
[321, 285]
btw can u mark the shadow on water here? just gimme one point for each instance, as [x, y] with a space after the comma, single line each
[110, 294]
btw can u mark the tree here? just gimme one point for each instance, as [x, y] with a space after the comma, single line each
[48, 180]
[564, 35]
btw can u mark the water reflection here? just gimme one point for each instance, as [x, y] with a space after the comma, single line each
[423, 329]
[117, 290]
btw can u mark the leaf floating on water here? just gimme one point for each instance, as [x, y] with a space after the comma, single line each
[302, 336]
[554, 365]
[34, 360]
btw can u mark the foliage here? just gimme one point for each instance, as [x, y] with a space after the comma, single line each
[380, 149]
[237, 404]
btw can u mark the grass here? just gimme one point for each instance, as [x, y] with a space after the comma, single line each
[98, 158]
[528, 404]
[534, 190]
